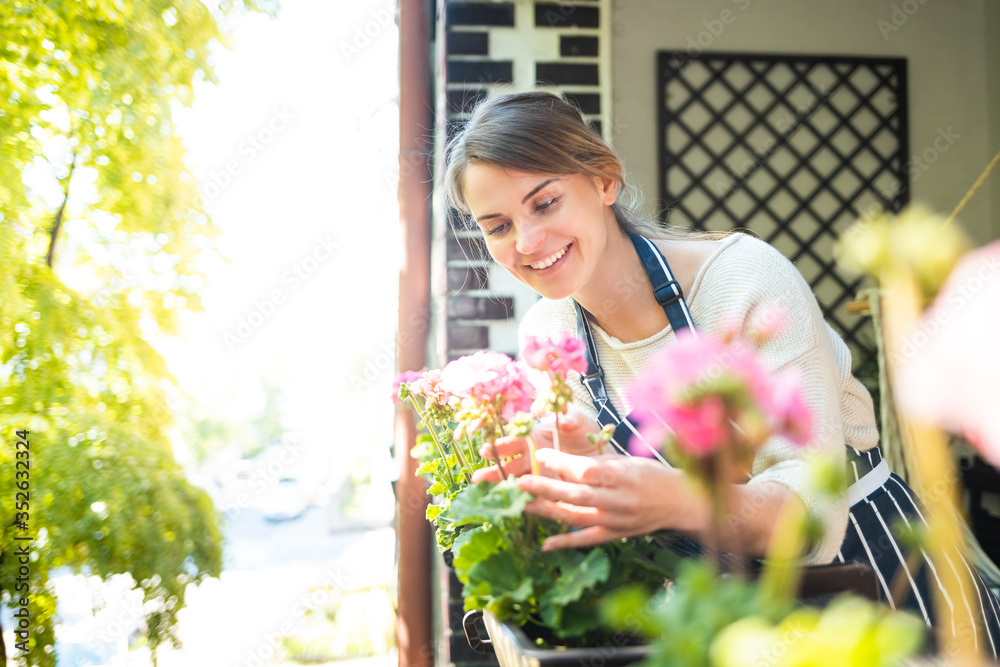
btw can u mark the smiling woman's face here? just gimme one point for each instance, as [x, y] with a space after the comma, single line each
[546, 230]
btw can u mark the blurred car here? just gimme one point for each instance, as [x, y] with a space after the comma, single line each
[242, 469]
[285, 501]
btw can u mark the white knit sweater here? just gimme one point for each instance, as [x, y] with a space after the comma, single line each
[742, 275]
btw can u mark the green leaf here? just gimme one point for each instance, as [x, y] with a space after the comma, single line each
[488, 503]
[578, 619]
[429, 467]
[576, 578]
[498, 576]
[445, 536]
[897, 636]
[666, 562]
[473, 547]
[424, 449]
[500, 570]
[627, 609]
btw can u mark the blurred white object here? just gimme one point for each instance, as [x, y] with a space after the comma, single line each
[287, 500]
[948, 366]
[79, 646]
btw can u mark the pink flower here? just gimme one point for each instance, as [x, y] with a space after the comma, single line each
[520, 394]
[698, 361]
[659, 395]
[681, 365]
[788, 410]
[488, 376]
[555, 355]
[430, 386]
[403, 377]
[692, 390]
[699, 428]
[948, 366]
[483, 375]
[702, 428]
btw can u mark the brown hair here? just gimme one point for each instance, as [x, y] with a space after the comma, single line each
[541, 133]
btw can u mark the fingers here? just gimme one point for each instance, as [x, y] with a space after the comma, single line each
[549, 492]
[507, 447]
[587, 537]
[578, 504]
[491, 474]
[595, 471]
[572, 421]
[596, 525]
[515, 467]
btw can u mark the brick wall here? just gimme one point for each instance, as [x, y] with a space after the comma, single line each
[485, 47]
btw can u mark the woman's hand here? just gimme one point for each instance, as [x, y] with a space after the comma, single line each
[573, 429]
[610, 497]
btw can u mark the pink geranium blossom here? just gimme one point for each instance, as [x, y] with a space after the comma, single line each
[487, 377]
[790, 414]
[700, 427]
[555, 355]
[520, 394]
[703, 393]
[430, 386]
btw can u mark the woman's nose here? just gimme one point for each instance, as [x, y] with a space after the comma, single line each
[530, 237]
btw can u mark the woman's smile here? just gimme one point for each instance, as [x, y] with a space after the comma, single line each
[551, 260]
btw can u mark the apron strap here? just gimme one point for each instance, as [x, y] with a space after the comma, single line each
[666, 290]
[668, 294]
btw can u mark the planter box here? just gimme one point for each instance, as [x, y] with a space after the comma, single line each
[513, 648]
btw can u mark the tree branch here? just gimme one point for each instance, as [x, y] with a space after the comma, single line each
[57, 223]
[3, 648]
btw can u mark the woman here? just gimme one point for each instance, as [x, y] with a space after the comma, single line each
[547, 194]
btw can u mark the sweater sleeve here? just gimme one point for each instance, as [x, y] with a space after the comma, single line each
[745, 278]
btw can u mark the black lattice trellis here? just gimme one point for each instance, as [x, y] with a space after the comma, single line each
[794, 148]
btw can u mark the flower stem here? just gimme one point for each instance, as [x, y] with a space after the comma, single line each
[466, 468]
[782, 574]
[496, 455]
[531, 453]
[434, 437]
[933, 475]
[473, 457]
[517, 539]
[717, 498]
[555, 436]
[724, 480]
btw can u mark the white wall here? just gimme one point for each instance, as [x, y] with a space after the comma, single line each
[953, 53]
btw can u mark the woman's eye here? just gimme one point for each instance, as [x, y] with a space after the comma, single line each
[547, 204]
[499, 229]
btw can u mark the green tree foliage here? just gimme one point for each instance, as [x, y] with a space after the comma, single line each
[87, 140]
